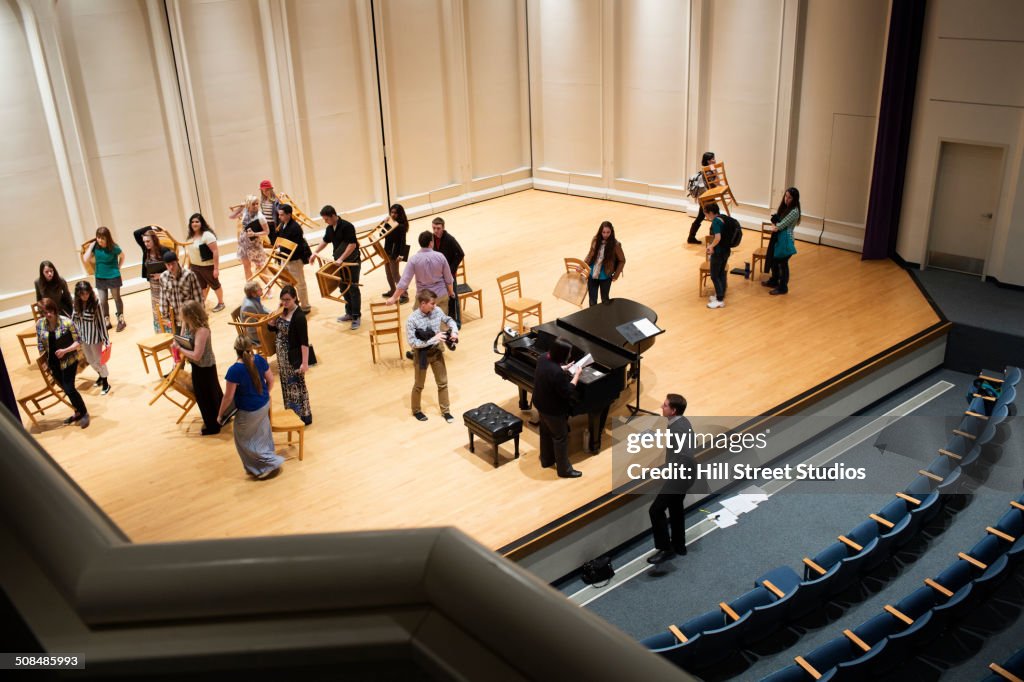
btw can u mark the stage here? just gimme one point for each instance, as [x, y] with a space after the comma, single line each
[370, 465]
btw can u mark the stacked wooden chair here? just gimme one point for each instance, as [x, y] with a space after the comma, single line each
[50, 395]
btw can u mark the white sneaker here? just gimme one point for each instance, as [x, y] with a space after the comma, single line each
[712, 298]
[716, 304]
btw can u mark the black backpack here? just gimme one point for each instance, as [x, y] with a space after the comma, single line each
[732, 235]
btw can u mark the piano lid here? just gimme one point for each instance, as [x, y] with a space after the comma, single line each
[599, 322]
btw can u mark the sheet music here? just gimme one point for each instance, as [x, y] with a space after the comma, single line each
[585, 361]
[646, 327]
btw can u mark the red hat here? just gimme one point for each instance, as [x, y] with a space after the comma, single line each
[266, 184]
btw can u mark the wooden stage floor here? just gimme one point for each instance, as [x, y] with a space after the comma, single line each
[370, 465]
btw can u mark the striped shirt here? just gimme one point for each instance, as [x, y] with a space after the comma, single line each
[92, 328]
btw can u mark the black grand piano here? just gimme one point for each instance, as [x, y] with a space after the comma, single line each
[591, 330]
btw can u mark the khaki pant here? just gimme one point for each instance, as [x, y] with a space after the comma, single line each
[298, 271]
[435, 358]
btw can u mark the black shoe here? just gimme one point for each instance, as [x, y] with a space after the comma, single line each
[419, 415]
[266, 476]
[307, 420]
[778, 292]
[571, 473]
[99, 382]
[387, 294]
[546, 466]
[403, 300]
[448, 417]
[771, 284]
[73, 418]
[408, 355]
[660, 557]
[681, 552]
[692, 240]
[106, 388]
[209, 432]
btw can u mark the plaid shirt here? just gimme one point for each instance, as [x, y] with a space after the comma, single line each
[175, 293]
[432, 322]
[64, 326]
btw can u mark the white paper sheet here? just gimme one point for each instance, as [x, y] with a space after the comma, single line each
[724, 518]
[740, 504]
[646, 327]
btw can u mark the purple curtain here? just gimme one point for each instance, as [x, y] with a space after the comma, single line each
[895, 116]
[6, 390]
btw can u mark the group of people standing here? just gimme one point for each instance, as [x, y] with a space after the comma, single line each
[781, 246]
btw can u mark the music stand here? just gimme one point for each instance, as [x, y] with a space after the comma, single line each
[635, 333]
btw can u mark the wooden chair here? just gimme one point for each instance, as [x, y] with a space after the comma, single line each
[514, 306]
[169, 242]
[158, 346]
[286, 421]
[42, 399]
[297, 213]
[178, 382]
[704, 275]
[335, 280]
[274, 270]
[371, 245]
[251, 324]
[718, 186]
[761, 253]
[385, 320]
[28, 339]
[90, 265]
[465, 291]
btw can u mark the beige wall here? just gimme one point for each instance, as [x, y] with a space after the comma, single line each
[126, 112]
[969, 91]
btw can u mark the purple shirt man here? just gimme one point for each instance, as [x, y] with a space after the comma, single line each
[430, 268]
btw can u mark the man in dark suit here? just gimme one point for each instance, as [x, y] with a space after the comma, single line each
[552, 391]
[445, 244]
[670, 532]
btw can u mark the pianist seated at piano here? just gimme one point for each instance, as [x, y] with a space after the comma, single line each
[552, 393]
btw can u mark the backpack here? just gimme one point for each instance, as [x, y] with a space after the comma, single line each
[696, 185]
[983, 388]
[732, 234]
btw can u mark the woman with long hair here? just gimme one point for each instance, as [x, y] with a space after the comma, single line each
[52, 286]
[293, 354]
[605, 260]
[204, 256]
[205, 383]
[706, 160]
[782, 246]
[92, 332]
[248, 383]
[250, 237]
[394, 246]
[58, 342]
[109, 258]
[153, 266]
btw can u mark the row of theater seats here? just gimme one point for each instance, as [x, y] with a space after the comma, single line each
[1011, 669]
[892, 636]
[781, 595]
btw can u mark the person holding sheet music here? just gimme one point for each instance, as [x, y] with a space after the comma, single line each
[250, 238]
[551, 395]
[605, 260]
[196, 345]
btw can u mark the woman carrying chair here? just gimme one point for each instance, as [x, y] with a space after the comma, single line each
[706, 160]
[58, 342]
[250, 237]
[109, 258]
[205, 383]
[248, 383]
[152, 266]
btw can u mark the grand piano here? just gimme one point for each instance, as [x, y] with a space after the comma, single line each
[591, 330]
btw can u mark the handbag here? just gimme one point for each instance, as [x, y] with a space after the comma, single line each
[105, 353]
[205, 253]
[598, 570]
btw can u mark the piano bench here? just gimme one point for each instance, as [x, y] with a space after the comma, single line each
[494, 425]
